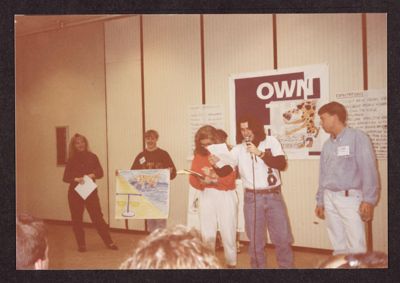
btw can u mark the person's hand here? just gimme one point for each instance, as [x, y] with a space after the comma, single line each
[253, 149]
[79, 180]
[92, 176]
[320, 212]
[213, 159]
[366, 211]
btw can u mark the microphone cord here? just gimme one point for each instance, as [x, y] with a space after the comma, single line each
[247, 141]
[255, 210]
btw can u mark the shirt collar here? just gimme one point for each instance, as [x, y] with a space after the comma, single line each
[339, 136]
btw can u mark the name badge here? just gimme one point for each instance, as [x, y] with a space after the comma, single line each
[142, 160]
[343, 150]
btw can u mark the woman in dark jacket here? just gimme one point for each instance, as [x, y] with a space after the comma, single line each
[82, 162]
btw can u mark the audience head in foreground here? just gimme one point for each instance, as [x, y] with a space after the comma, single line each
[172, 248]
[360, 260]
[31, 243]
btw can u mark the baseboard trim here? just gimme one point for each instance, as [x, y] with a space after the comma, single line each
[308, 249]
[298, 248]
[90, 225]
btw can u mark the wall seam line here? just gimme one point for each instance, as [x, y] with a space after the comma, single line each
[203, 76]
[142, 93]
[368, 230]
[106, 114]
[275, 43]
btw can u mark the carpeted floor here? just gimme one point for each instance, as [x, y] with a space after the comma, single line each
[63, 253]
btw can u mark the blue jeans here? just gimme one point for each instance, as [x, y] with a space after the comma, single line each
[153, 224]
[271, 214]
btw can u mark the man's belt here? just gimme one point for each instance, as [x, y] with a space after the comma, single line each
[276, 190]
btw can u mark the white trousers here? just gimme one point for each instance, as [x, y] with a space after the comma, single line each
[346, 230]
[219, 209]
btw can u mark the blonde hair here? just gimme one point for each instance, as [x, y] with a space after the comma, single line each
[150, 133]
[71, 148]
[172, 248]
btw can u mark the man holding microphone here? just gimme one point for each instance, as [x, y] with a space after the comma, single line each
[259, 160]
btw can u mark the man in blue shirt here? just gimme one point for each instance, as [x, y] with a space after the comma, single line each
[348, 181]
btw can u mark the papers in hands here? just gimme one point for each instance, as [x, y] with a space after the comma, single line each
[222, 152]
[85, 189]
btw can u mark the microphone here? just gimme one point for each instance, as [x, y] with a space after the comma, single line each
[248, 142]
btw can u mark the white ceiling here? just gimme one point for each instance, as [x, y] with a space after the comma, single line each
[25, 25]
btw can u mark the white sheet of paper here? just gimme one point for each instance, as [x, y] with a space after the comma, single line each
[85, 189]
[222, 152]
[189, 172]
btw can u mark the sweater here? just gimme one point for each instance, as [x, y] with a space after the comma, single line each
[83, 163]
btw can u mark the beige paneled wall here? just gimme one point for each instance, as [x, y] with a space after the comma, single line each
[300, 183]
[20, 121]
[334, 39]
[377, 79]
[60, 82]
[234, 44]
[377, 50]
[172, 81]
[124, 103]
[380, 222]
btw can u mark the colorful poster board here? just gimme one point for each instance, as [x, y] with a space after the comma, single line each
[142, 194]
[286, 101]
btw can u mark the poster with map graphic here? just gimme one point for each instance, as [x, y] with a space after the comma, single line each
[142, 194]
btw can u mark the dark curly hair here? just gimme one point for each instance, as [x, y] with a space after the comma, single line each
[254, 125]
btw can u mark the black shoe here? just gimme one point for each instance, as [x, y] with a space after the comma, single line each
[112, 246]
[81, 249]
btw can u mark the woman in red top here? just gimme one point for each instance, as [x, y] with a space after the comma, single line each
[218, 198]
